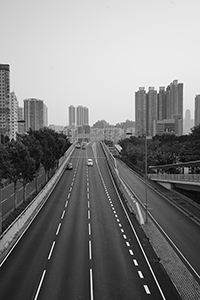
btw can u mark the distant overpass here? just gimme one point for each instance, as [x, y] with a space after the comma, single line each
[181, 175]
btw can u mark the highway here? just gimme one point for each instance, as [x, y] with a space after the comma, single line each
[82, 244]
[183, 232]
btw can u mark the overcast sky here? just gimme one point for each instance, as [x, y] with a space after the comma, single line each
[97, 53]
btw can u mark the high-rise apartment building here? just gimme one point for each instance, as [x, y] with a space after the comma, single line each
[72, 115]
[140, 112]
[166, 105]
[20, 118]
[5, 99]
[35, 114]
[13, 115]
[78, 116]
[187, 124]
[152, 110]
[197, 111]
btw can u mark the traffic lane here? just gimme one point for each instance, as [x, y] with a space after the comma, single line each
[183, 232]
[115, 275]
[22, 269]
[67, 273]
[163, 279]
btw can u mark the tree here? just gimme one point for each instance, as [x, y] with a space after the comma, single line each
[35, 151]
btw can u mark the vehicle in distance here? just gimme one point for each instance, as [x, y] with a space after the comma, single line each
[69, 166]
[90, 162]
[78, 146]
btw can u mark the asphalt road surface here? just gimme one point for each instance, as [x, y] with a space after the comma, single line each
[82, 245]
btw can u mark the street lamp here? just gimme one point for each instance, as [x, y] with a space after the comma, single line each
[146, 200]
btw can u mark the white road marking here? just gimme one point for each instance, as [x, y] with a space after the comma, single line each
[70, 189]
[88, 204]
[51, 250]
[89, 229]
[58, 229]
[120, 225]
[131, 252]
[88, 214]
[11, 195]
[122, 230]
[68, 196]
[127, 244]
[4, 200]
[147, 289]
[91, 285]
[40, 284]
[140, 274]
[90, 250]
[135, 262]
[124, 236]
[63, 213]
[88, 195]
[66, 203]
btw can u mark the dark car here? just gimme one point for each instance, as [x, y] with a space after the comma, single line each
[69, 166]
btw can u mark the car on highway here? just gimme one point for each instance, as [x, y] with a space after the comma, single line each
[90, 162]
[69, 166]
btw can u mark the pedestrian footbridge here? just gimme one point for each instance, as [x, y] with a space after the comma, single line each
[184, 175]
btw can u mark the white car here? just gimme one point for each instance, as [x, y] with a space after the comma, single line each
[90, 162]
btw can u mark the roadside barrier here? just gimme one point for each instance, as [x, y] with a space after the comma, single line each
[16, 229]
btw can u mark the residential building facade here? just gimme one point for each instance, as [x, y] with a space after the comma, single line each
[197, 111]
[5, 99]
[35, 114]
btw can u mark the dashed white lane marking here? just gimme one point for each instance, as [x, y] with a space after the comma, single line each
[40, 284]
[124, 236]
[68, 196]
[58, 229]
[88, 195]
[88, 204]
[70, 189]
[88, 214]
[127, 244]
[91, 285]
[89, 229]
[4, 200]
[147, 289]
[122, 230]
[51, 250]
[90, 250]
[63, 213]
[66, 203]
[131, 252]
[140, 274]
[135, 262]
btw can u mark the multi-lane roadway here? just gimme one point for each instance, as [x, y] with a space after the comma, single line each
[82, 244]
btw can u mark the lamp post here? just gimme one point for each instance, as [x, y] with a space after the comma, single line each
[146, 200]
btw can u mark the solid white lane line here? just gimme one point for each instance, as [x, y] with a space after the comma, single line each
[135, 262]
[90, 250]
[63, 213]
[66, 203]
[140, 274]
[40, 284]
[51, 250]
[91, 285]
[89, 229]
[147, 289]
[58, 229]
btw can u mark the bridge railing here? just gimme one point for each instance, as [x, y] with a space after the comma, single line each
[176, 177]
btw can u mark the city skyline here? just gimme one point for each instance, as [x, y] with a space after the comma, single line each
[99, 53]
